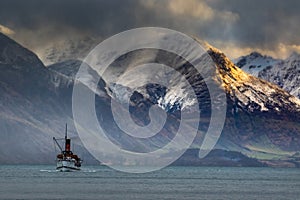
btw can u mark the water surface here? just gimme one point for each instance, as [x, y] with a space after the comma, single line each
[100, 182]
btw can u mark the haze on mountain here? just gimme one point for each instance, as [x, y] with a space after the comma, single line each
[36, 101]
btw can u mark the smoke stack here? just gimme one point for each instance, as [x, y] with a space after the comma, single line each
[68, 145]
[68, 141]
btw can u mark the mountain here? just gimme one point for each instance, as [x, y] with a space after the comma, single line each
[218, 157]
[284, 73]
[68, 68]
[34, 106]
[255, 63]
[262, 120]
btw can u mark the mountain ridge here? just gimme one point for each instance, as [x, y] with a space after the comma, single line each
[31, 119]
[283, 73]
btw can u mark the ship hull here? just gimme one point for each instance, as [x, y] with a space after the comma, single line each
[66, 166]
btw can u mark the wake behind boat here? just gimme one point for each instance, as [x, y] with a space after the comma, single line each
[66, 161]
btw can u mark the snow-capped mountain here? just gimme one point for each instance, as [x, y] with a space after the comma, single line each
[252, 94]
[258, 109]
[36, 102]
[254, 105]
[255, 63]
[284, 73]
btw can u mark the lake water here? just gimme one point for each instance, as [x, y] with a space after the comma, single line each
[43, 182]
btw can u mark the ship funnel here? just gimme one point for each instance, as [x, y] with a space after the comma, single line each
[67, 141]
[68, 145]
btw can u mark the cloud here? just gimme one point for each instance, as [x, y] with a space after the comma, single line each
[237, 27]
[234, 50]
[283, 50]
[263, 23]
[234, 25]
[199, 10]
[6, 30]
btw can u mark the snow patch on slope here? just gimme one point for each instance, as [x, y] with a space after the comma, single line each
[255, 63]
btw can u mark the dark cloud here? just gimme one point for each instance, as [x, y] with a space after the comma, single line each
[92, 16]
[261, 24]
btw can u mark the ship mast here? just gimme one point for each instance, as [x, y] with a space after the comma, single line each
[67, 142]
[66, 132]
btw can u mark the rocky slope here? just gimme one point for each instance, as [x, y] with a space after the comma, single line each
[34, 106]
[284, 73]
[255, 63]
[262, 119]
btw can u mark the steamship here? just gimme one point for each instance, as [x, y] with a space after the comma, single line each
[66, 160]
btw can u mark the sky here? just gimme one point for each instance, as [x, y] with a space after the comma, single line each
[236, 27]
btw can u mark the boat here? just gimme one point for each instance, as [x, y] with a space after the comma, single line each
[66, 160]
